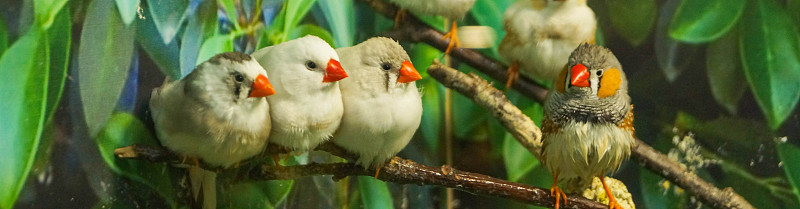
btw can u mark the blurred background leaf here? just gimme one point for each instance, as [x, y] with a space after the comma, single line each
[127, 10]
[263, 194]
[340, 18]
[374, 193]
[103, 60]
[632, 19]
[790, 157]
[24, 102]
[725, 75]
[673, 56]
[703, 21]
[770, 49]
[201, 26]
[309, 29]
[46, 11]
[168, 16]
[216, 44]
[3, 36]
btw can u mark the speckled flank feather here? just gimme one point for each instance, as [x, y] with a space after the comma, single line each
[541, 39]
[451, 9]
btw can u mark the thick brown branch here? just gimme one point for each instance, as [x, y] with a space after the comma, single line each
[471, 85]
[398, 170]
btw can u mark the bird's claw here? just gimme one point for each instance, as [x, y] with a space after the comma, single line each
[558, 194]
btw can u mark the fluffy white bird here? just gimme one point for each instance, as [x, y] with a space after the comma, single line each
[382, 106]
[307, 107]
[217, 114]
[541, 34]
[450, 9]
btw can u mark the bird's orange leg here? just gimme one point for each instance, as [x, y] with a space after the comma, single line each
[612, 203]
[558, 192]
[453, 36]
[512, 74]
[277, 159]
[377, 171]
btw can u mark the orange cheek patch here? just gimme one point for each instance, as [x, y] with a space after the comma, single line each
[562, 78]
[610, 82]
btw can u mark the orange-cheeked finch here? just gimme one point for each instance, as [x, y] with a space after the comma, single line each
[382, 105]
[217, 114]
[541, 34]
[588, 121]
[450, 9]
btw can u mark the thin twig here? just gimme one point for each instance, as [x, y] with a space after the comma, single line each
[398, 170]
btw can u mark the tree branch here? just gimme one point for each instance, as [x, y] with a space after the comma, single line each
[493, 100]
[398, 170]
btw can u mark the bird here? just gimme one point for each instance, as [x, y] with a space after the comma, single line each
[307, 107]
[217, 114]
[541, 34]
[382, 105]
[587, 127]
[450, 9]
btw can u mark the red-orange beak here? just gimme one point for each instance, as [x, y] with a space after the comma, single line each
[408, 73]
[580, 76]
[262, 87]
[334, 72]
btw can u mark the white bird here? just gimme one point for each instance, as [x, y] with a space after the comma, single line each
[450, 9]
[216, 114]
[382, 105]
[307, 107]
[541, 34]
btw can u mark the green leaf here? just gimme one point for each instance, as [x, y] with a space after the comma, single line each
[309, 29]
[124, 129]
[706, 20]
[517, 159]
[490, 13]
[46, 11]
[104, 58]
[201, 26]
[770, 52]
[673, 56]
[374, 193]
[295, 11]
[24, 102]
[339, 15]
[3, 36]
[794, 5]
[632, 19]
[127, 10]
[60, 38]
[164, 55]
[790, 157]
[264, 194]
[168, 16]
[431, 124]
[725, 74]
[659, 193]
[213, 46]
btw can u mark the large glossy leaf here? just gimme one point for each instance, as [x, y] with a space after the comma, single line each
[702, 21]
[200, 26]
[770, 50]
[103, 61]
[60, 38]
[339, 15]
[673, 56]
[213, 46]
[794, 5]
[168, 16]
[632, 19]
[309, 29]
[127, 10]
[790, 157]
[164, 55]
[23, 104]
[124, 129]
[263, 194]
[374, 193]
[46, 11]
[725, 74]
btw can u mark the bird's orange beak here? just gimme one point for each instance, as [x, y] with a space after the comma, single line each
[262, 87]
[334, 72]
[580, 76]
[408, 73]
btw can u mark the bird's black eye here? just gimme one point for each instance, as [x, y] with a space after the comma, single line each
[386, 66]
[311, 64]
[238, 77]
[599, 73]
